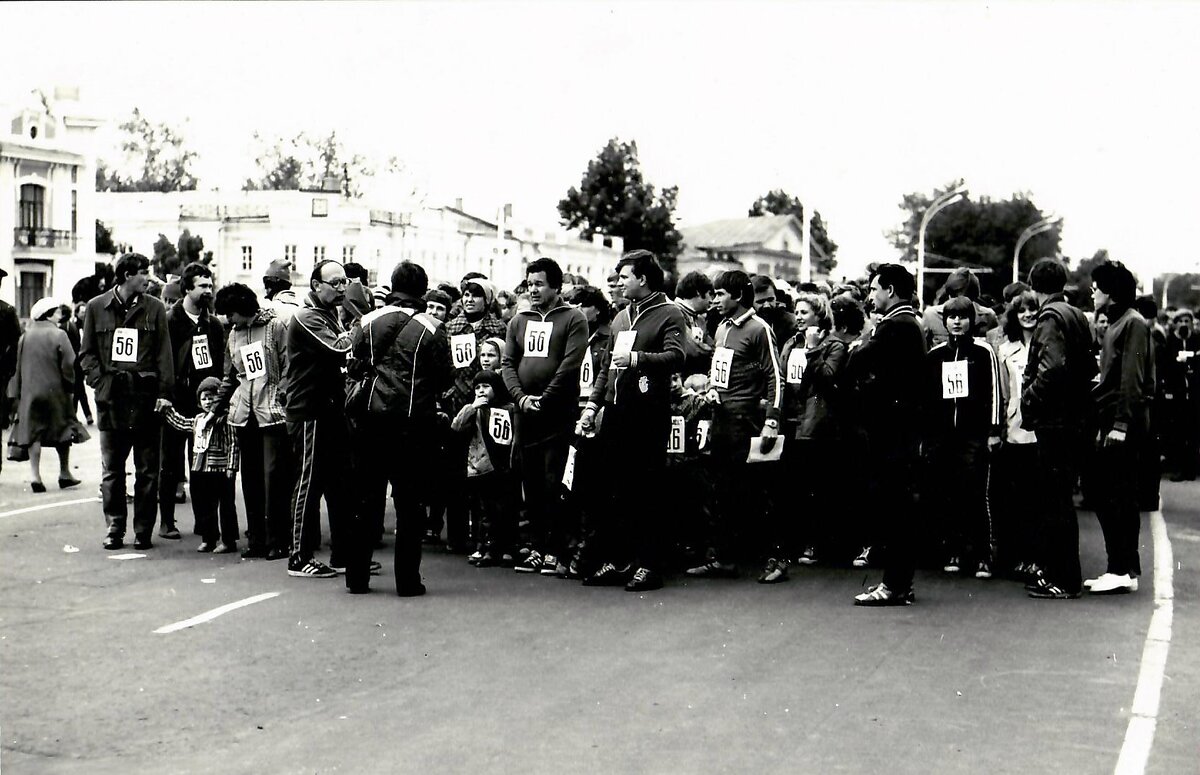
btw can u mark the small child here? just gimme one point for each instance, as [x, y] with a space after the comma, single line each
[490, 485]
[687, 478]
[490, 350]
[215, 458]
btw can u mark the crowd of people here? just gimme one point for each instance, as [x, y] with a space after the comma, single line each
[622, 437]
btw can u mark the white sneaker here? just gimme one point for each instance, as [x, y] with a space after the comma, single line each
[1111, 584]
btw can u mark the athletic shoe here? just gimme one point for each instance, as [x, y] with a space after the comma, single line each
[953, 565]
[254, 552]
[532, 563]
[1051, 592]
[984, 571]
[808, 557]
[863, 559]
[713, 569]
[608, 575]
[486, 560]
[550, 565]
[1112, 584]
[879, 596]
[277, 554]
[224, 548]
[774, 572]
[571, 571]
[169, 532]
[475, 557]
[644, 580]
[311, 569]
[206, 547]
[1037, 580]
[374, 569]
[507, 561]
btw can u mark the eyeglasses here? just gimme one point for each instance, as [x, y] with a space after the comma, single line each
[340, 282]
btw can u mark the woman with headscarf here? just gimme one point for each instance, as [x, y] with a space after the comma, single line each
[42, 389]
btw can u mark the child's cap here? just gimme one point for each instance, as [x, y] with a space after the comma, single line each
[497, 342]
[208, 385]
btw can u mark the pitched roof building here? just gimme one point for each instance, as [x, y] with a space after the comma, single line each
[766, 244]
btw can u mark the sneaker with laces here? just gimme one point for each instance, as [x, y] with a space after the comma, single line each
[1112, 584]
[713, 569]
[953, 565]
[808, 556]
[550, 565]
[644, 580]
[311, 569]
[983, 571]
[475, 557]
[774, 572]
[375, 568]
[879, 596]
[863, 559]
[530, 563]
[608, 575]
[1052, 592]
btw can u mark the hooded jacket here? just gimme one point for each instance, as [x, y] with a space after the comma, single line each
[261, 398]
[1058, 375]
[658, 328]
[410, 355]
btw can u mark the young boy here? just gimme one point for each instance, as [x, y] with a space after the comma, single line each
[215, 460]
[489, 466]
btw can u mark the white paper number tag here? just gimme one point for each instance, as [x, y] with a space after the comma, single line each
[201, 357]
[462, 348]
[675, 444]
[200, 434]
[1183, 356]
[722, 364]
[624, 343]
[702, 429]
[587, 375]
[568, 479]
[125, 345]
[954, 380]
[254, 360]
[500, 427]
[537, 339]
[796, 364]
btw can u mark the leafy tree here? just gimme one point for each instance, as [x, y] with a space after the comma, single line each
[190, 247]
[104, 240]
[154, 158]
[304, 161]
[90, 287]
[1182, 290]
[779, 202]
[614, 199]
[977, 233]
[166, 258]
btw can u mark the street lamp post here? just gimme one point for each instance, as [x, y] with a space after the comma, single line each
[939, 204]
[1042, 226]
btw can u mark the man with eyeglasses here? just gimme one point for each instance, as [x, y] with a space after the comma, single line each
[315, 407]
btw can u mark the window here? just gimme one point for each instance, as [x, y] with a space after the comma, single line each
[74, 174]
[74, 211]
[320, 207]
[347, 253]
[30, 287]
[33, 198]
[247, 258]
[318, 254]
[289, 254]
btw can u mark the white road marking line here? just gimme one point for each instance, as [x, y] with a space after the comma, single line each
[208, 616]
[44, 506]
[1139, 736]
[126, 556]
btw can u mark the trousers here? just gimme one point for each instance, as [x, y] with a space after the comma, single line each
[115, 446]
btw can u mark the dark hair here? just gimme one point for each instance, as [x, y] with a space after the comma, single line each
[236, 298]
[551, 268]
[410, 279]
[961, 307]
[644, 264]
[762, 283]
[1013, 290]
[961, 282]
[315, 277]
[693, 284]
[439, 296]
[190, 272]
[130, 263]
[1048, 275]
[468, 277]
[454, 293]
[1116, 281]
[846, 313]
[494, 380]
[736, 283]
[356, 271]
[896, 277]
[1146, 307]
[591, 296]
[1012, 320]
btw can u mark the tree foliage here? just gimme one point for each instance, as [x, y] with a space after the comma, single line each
[166, 258]
[613, 198]
[154, 157]
[974, 233]
[779, 202]
[190, 248]
[104, 239]
[1182, 290]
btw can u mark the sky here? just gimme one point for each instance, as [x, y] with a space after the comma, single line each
[1090, 107]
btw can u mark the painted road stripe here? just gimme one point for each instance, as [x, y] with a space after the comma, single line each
[208, 616]
[44, 506]
[1143, 719]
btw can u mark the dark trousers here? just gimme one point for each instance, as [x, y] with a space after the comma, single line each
[541, 467]
[79, 397]
[267, 483]
[321, 449]
[1179, 419]
[492, 501]
[1058, 551]
[172, 462]
[1118, 467]
[1019, 517]
[957, 485]
[447, 498]
[215, 507]
[741, 488]
[893, 462]
[808, 499]
[115, 446]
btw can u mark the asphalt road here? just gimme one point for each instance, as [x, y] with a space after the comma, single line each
[494, 671]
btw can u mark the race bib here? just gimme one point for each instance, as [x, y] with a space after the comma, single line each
[201, 357]
[125, 345]
[624, 343]
[587, 376]
[1183, 356]
[568, 479]
[500, 426]
[462, 349]
[254, 360]
[200, 435]
[675, 440]
[797, 362]
[537, 339]
[722, 365]
[954, 380]
[702, 429]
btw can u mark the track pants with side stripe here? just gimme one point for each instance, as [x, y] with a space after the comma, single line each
[322, 456]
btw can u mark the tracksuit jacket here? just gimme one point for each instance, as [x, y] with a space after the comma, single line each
[317, 347]
[555, 377]
[659, 329]
[410, 353]
[1126, 385]
[755, 372]
[976, 415]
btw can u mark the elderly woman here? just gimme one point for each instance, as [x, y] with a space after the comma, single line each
[43, 389]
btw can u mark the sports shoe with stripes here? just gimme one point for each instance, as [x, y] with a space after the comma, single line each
[531, 563]
[312, 569]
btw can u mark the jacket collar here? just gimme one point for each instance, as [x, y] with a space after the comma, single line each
[900, 309]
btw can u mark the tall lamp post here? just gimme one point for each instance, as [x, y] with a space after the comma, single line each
[939, 204]
[1041, 227]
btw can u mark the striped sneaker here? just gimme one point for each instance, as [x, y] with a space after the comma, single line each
[312, 569]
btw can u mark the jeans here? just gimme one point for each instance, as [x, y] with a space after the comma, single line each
[115, 446]
[173, 460]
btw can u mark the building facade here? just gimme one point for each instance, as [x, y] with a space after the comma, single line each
[767, 245]
[47, 196]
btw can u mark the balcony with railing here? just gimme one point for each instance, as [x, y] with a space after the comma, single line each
[49, 239]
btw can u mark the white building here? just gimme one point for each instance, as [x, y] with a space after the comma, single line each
[246, 230]
[47, 196]
[767, 245]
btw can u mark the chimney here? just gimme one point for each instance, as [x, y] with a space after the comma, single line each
[331, 184]
[458, 203]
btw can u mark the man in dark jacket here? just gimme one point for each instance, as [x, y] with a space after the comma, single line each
[634, 386]
[1055, 401]
[693, 296]
[10, 334]
[887, 373]
[127, 360]
[198, 341]
[1123, 396]
[1178, 372]
[405, 357]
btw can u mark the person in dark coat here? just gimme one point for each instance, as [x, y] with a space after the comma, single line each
[74, 328]
[10, 333]
[41, 388]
